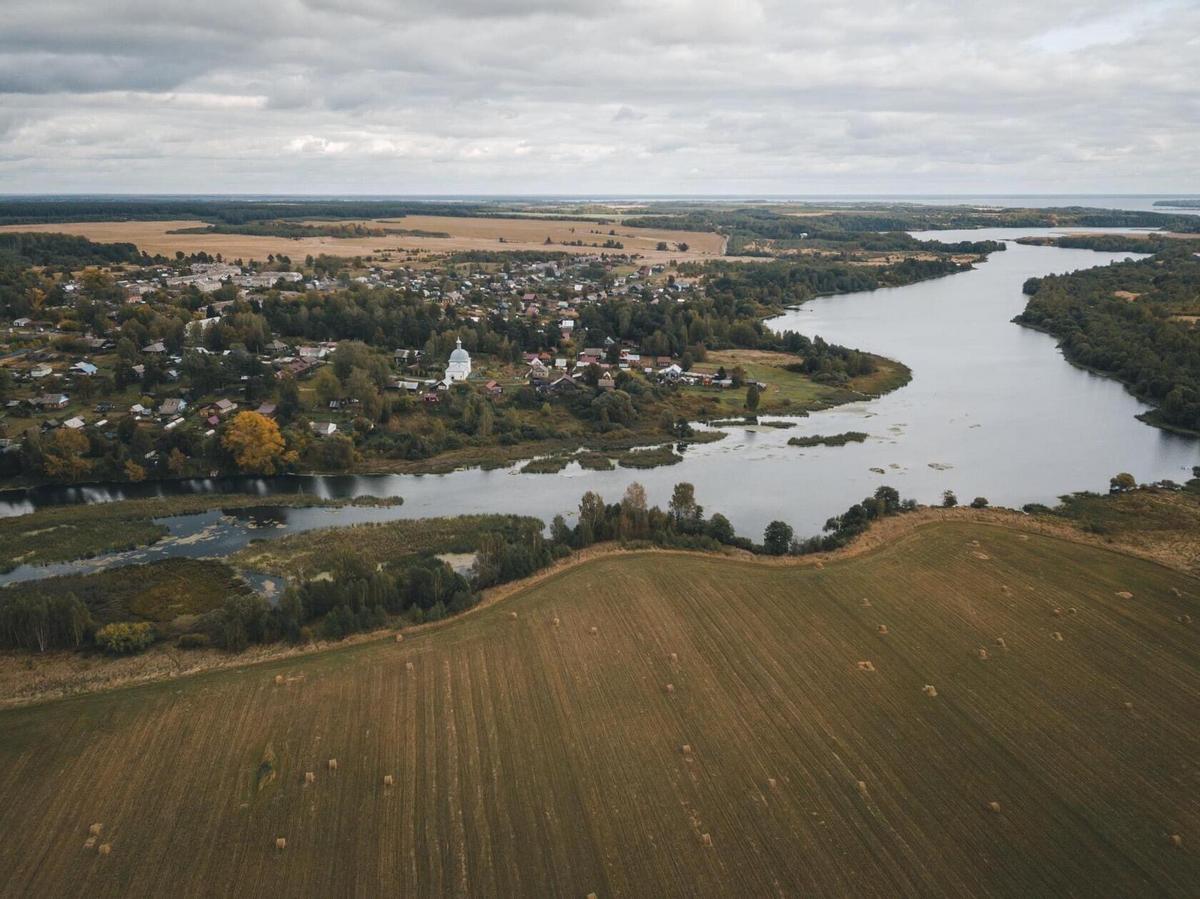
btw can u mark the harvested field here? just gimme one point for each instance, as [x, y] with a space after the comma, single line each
[465, 234]
[530, 759]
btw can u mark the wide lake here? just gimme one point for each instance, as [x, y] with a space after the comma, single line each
[993, 410]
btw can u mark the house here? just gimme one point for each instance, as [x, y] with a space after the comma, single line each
[266, 410]
[51, 401]
[323, 428]
[172, 406]
[156, 347]
[224, 407]
[41, 371]
[671, 372]
[493, 388]
[84, 368]
[297, 368]
[606, 382]
[73, 424]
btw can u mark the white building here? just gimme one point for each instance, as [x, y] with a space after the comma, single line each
[459, 368]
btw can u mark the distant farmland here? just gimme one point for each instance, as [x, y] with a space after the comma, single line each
[535, 758]
[465, 234]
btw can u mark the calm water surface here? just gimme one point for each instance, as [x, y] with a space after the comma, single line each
[993, 410]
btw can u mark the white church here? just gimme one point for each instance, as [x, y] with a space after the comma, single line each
[459, 368]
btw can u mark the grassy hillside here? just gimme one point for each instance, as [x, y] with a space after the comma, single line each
[535, 758]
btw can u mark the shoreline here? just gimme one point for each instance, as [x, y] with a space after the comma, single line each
[93, 673]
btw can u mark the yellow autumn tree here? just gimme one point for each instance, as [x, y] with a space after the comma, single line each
[255, 443]
[63, 459]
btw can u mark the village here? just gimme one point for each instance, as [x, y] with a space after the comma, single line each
[94, 377]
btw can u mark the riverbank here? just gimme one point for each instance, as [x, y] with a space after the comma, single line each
[1152, 525]
[67, 533]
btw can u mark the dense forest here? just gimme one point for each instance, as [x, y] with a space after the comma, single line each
[1112, 243]
[33, 210]
[64, 251]
[1134, 320]
[884, 229]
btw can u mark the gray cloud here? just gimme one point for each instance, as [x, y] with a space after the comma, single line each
[713, 96]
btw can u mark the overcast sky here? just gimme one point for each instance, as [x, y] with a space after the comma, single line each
[581, 96]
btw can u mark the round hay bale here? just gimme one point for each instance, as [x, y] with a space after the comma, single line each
[1184, 619]
[866, 666]
[1057, 613]
[1128, 706]
[556, 622]
[670, 688]
[862, 787]
[1000, 642]
[674, 657]
[279, 680]
[1177, 841]
[388, 780]
[105, 848]
[333, 764]
[1124, 594]
[399, 638]
[983, 654]
[1057, 636]
[89, 843]
[281, 842]
[706, 839]
[310, 777]
[686, 749]
[883, 630]
[1072, 611]
[594, 630]
[866, 603]
[408, 666]
[994, 807]
[95, 829]
[1176, 593]
[512, 615]
[772, 783]
[929, 690]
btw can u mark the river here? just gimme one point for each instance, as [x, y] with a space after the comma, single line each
[993, 410]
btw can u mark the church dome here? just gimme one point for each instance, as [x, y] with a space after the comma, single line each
[459, 354]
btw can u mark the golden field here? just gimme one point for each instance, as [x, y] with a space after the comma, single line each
[716, 734]
[466, 234]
